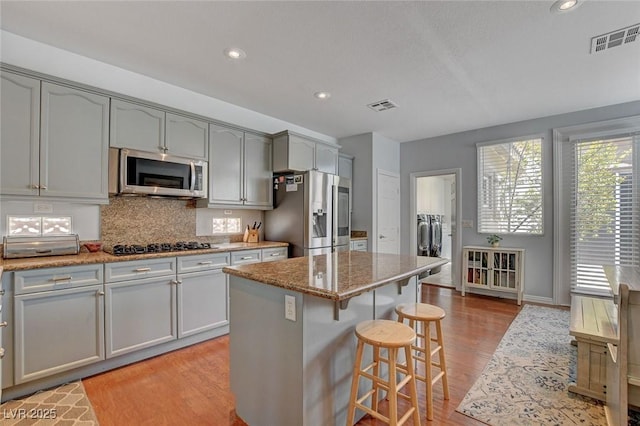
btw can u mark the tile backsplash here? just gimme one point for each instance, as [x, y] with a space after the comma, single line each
[144, 220]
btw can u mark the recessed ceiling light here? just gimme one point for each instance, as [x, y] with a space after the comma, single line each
[234, 53]
[561, 6]
[322, 95]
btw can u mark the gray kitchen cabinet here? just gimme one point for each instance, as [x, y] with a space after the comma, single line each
[202, 301]
[345, 166]
[19, 135]
[187, 137]
[57, 331]
[71, 124]
[246, 256]
[240, 169]
[136, 126]
[6, 331]
[275, 253]
[292, 152]
[74, 129]
[139, 313]
[203, 292]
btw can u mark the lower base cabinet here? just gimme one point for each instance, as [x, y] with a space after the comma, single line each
[202, 301]
[57, 331]
[140, 313]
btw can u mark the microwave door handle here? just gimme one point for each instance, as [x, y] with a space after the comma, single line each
[193, 176]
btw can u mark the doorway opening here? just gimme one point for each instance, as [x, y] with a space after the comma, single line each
[435, 207]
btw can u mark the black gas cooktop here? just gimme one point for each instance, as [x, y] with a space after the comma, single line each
[122, 249]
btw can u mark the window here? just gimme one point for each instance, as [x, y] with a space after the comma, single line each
[596, 204]
[510, 186]
[36, 226]
[227, 225]
[603, 218]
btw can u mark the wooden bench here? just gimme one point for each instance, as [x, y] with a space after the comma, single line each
[594, 325]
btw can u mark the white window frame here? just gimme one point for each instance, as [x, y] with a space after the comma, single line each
[561, 209]
[482, 180]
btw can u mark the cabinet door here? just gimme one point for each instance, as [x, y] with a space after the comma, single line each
[57, 331]
[326, 158]
[258, 171]
[139, 314]
[187, 137]
[74, 143]
[345, 166]
[202, 302]
[225, 165]
[301, 153]
[136, 127]
[19, 135]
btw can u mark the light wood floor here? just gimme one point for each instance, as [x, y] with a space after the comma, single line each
[191, 385]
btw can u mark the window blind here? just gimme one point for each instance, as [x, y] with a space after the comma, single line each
[510, 187]
[604, 209]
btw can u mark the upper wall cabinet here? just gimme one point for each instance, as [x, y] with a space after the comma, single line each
[187, 137]
[345, 165]
[292, 152]
[136, 127]
[19, 135]
[240, 169]
[44, 133]
[140, 127]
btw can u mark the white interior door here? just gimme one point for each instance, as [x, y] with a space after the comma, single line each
[387, 239]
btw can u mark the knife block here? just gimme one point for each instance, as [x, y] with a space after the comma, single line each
[250, 236]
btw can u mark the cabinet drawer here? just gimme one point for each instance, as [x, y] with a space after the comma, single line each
[359, 245]
[276, 253]
[203, 262]
[245, 256]
[37, 280]
[122, 271]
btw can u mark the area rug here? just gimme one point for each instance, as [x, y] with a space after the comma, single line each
[66, 405]
[526, 380]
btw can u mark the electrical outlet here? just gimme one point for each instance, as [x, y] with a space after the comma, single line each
[42, 208]
[467, 223]
[289, 307]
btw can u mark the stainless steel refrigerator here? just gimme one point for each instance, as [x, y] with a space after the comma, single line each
[311, 212]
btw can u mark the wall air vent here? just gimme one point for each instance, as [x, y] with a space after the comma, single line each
[615, 38]
[383, 105]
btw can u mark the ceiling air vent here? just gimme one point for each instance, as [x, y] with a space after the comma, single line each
[382, 105]
[615, 38]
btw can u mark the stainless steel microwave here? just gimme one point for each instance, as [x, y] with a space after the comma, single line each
[150, 173]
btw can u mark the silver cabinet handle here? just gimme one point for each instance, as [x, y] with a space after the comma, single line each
[100, 293]
[246, 258]
[3, 324]
[43, 187]
[382, 236]
[67, 278]
[176, 281]
[1, 292]
[208, 262]
[1, 353]
[142, 270]
[276, 254]
[35, 186]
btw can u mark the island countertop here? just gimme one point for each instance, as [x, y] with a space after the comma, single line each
[337, 276]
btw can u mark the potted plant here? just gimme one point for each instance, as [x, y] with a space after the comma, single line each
[494, 240]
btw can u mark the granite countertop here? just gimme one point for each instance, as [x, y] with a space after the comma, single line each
[84, 258]
[337, 276]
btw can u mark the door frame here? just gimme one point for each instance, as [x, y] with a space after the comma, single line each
[456, 240]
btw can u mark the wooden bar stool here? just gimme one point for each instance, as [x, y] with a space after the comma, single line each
[390, 335]
[424, 314]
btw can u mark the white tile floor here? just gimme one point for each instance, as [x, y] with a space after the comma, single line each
[442, 278]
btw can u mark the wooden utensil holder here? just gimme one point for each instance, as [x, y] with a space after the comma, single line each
[251, 236]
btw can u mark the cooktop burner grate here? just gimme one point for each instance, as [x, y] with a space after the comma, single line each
[123, 249]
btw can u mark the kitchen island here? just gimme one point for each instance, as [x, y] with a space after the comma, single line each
[292, 342]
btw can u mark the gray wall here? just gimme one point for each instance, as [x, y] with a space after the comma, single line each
[459, 151]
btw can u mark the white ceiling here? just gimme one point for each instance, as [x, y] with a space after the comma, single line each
[450, 66]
